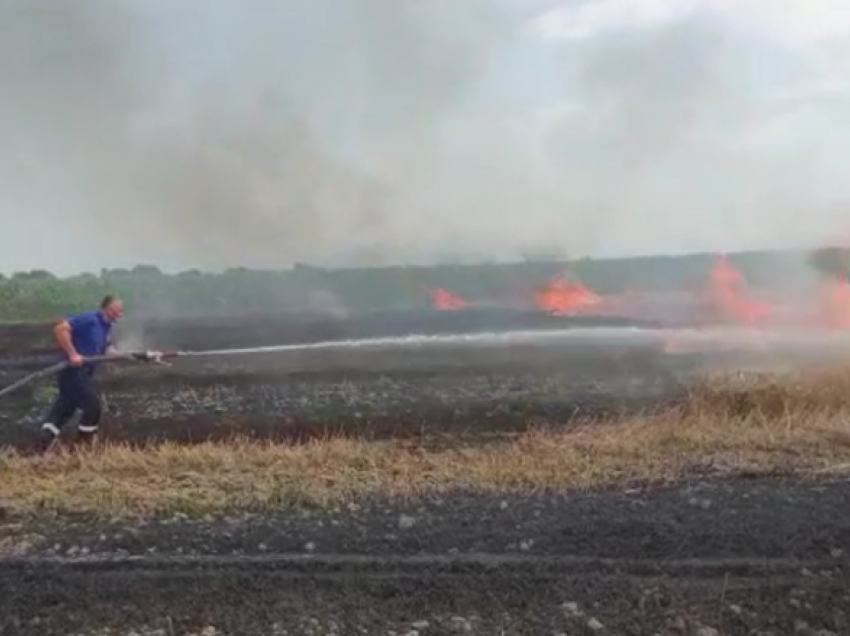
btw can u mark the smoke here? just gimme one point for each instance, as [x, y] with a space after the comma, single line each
[698, 133]
[214, 134]
[305, 139]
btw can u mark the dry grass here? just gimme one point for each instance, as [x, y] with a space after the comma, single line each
[735, 423]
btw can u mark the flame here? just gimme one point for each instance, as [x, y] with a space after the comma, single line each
[835, 304]
[727, 295]
[444, 299]
[729, 303]
[565, 297]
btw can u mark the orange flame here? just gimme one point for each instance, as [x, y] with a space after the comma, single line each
[444, 299]
[565, 297]
[835, 304]
[728, 296]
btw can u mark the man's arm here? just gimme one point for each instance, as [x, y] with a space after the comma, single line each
[63, 337]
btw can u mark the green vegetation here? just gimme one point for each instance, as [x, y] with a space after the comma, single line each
[39, 295]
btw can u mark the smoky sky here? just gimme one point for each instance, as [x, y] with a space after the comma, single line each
[215, 134]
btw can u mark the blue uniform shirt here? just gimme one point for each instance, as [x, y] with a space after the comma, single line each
[91, 333]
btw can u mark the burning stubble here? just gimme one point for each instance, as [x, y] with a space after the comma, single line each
[369, 131]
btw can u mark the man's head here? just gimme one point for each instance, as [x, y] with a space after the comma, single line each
[112, 308]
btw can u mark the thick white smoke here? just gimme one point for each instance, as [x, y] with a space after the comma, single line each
[217, 133]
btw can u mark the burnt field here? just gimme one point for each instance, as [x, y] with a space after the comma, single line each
[475, 372]
[384, 392]
[477, 383]
[585, 482]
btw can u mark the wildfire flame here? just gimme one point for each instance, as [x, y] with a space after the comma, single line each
[835, 304]
[730, 303]
[727, 297]
[565, 297]
[444, 299]
[727, 294]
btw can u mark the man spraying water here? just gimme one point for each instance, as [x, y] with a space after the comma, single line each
[79, 337]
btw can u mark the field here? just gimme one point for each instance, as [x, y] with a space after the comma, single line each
[586, 482]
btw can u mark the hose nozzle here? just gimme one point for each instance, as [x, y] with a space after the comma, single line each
[156, 357]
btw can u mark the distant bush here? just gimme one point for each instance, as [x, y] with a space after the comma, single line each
[832, 262]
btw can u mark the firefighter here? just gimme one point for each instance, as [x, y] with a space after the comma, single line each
[81, 336]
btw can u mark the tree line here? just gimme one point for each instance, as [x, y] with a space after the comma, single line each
[40, 295]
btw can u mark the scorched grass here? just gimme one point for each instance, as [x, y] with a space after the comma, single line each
[752, 423]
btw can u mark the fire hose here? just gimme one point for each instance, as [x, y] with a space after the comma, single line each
[160, 357]
[157, 357]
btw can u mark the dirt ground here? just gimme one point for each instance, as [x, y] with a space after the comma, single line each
[760, 557]
[764, 555]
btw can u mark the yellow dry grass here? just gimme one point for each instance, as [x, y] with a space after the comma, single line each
[753, 423]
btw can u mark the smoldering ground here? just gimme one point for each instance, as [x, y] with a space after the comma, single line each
[216, 134]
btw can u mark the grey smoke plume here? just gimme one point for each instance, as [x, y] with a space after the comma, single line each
[684, 140]
[218, 133]
[315, 126]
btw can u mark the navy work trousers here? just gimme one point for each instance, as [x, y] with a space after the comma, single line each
[76, 391]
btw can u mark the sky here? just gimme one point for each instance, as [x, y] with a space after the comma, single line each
[220, 133]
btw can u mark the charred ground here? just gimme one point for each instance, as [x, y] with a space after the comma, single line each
[378, 390]
[763, 557]
[743, 530]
